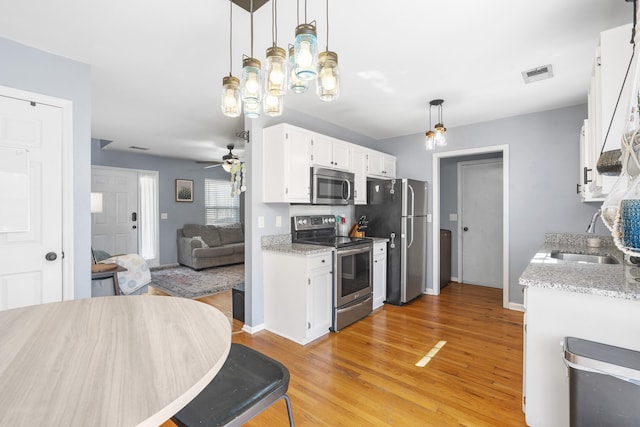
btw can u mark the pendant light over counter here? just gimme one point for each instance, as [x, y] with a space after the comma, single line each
[436, 137]
[294, 73]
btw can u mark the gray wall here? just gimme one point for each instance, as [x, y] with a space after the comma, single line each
[178, 213]
[544, 158]
[40, 72]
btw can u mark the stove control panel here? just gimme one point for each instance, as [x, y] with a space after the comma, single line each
[312, 222]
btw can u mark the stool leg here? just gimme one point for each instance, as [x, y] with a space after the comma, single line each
[289, 412]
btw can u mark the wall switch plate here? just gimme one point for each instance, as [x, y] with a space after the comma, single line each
[428, 217]
[278, 221]
[453, 217]
[260, 222]
[164, 215]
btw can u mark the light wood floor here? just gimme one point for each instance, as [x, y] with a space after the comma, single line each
[365, 375]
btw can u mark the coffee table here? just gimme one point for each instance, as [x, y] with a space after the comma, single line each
[108, 361]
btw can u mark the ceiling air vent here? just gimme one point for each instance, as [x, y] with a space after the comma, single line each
[538, 73]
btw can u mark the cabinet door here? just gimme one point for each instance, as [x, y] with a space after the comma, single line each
[379, 274]
[360, 176]
[389, 166]
[374, 163]
[286, 163]
[321, 151]
[342, 156]
[299, 177]
[319, 302]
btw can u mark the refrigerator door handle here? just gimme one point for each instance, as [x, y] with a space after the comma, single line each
[410, 234]
[413, 201]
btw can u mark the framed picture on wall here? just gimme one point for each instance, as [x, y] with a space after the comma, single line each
[184, 190]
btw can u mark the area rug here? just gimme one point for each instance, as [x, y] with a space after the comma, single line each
[184, 282]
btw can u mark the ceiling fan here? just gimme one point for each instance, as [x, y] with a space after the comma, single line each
[227, 160]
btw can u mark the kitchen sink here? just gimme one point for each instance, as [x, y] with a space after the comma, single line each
[590, 259]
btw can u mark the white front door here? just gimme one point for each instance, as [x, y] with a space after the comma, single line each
[115, 229]
[481, 222]
[31, 261]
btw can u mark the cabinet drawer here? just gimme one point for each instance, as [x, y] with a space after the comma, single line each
[379, 248]
[321, 261]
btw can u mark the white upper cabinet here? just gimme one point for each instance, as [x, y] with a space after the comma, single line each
[610, 63]
[330, 152]
[286, 165]
[289, 152]
[381, 165]
[360, 176]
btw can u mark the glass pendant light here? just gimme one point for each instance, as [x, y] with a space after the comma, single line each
[231, 104]
[275, 82]
[251, 86]
[273, 105]
[295, 83]
[328, 80]
[429, 139]
[440, 138]
[306, 49]
[435, 138]
[230, 97]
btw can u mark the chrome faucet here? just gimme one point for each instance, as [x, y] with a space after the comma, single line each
[591, 229]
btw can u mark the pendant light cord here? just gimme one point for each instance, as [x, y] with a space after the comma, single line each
[230, 38]
[274, 26]
[252, 28]
[327, 9]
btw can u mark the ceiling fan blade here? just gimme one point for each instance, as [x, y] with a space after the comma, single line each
[213, 166]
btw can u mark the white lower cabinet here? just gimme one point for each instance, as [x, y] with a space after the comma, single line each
[298, 294]
[379, 273]
[552, 315]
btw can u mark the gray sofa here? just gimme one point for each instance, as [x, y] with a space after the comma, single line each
[204, 246]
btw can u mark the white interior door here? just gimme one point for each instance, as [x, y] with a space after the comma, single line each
[115, 229]
[480, 222]
[31, 261]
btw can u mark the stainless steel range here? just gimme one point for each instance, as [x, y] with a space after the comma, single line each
[353, 260]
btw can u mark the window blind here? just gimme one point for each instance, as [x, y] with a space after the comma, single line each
[220, 206]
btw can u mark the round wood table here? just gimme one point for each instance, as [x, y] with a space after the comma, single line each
[108, 361]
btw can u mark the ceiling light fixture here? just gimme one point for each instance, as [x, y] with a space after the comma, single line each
[328, 81]
[230, 85]
[435, 138]
[305, 49]
[302, 65]
[251, 84]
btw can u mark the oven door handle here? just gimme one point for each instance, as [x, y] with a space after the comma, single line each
[353, 251]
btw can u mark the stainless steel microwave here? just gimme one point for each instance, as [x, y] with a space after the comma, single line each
[331, 187]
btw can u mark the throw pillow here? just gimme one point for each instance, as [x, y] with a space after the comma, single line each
[204, 244]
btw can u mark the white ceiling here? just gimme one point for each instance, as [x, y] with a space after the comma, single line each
[157, 66]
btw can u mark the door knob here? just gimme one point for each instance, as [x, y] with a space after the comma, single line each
[465, 229]
[51, 256]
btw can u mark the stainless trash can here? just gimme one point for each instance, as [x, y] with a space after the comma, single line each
[604, 384]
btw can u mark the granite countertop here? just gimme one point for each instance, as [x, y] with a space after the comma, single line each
[611, 280]
[282, 243]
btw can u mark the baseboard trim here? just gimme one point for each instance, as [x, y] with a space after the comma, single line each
[516, 306]
[253, 329]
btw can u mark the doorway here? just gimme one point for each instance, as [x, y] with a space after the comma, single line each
[128, 222]
[436, 220]
[480, 222]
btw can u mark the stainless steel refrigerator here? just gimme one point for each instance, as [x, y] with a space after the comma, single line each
[397, 210]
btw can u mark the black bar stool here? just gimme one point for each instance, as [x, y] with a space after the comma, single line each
[248, 383]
